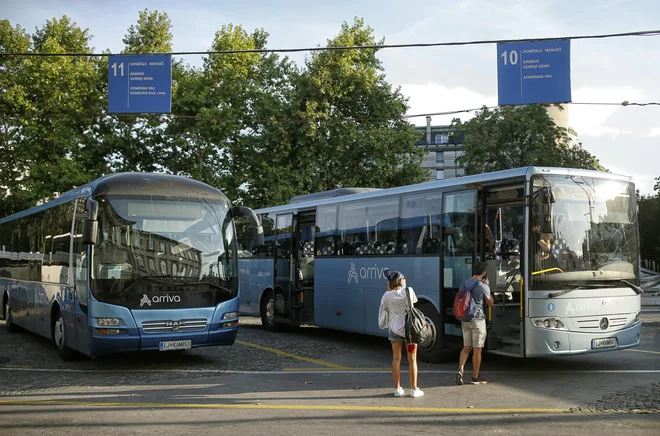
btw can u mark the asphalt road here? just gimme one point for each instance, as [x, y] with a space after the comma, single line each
[316, 381]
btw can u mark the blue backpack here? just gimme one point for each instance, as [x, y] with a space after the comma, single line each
[464, 305]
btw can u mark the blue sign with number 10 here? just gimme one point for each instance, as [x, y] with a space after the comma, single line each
[534, 72]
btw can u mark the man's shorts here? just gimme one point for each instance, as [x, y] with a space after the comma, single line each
[474, 333]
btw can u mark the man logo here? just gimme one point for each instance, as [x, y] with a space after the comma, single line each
[352, 274]
[145, 300]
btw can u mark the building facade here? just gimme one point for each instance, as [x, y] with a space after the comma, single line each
[442, 148]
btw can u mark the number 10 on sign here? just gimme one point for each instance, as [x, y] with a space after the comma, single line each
[512, 57]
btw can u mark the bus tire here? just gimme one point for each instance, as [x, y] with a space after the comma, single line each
[59, 337]
[9, 323]
[432, 350]
[267, 310]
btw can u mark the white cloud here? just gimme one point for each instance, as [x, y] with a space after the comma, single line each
[433, 98]
[655, 131]
[591, 120]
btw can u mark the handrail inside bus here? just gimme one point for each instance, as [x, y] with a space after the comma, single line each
[535, 273]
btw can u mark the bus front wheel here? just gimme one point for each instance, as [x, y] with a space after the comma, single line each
[431, 350]
[59, 337]
[268, 312]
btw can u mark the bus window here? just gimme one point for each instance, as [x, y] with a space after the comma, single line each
[459, 214]
[420, 223]
[326, 231]
[359, 222]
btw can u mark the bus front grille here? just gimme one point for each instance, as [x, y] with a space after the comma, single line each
[183, 325]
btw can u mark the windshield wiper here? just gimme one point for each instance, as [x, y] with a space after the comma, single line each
[136, 281]
[637, 289]
[224, 289]
[632, 286]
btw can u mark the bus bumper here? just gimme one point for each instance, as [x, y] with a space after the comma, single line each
[540, 342]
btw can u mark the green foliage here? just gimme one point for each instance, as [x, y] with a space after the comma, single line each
[512, 137]
[649, 223]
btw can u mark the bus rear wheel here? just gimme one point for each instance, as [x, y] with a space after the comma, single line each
[432, 350]
[59, 337]
[267, 310]
[9, 323]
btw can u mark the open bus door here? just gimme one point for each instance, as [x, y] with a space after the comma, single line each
[502, 214]
[302, 297]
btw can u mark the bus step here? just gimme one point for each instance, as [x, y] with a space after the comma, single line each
[514, 327]
[509, 341]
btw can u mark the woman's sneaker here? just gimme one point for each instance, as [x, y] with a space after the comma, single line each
[398, 391]
[459, 378]
[479, 381]
[416, 393]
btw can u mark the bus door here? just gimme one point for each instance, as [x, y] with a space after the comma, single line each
[502, 215]
[284, 266]
[81, 281]
[302, 298]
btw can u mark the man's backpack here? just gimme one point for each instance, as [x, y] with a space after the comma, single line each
[464, 305]
[416, 328]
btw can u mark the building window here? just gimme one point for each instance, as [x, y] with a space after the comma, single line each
[439, 157]
[440, 175]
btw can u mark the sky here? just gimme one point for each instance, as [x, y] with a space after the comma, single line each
[436, 79]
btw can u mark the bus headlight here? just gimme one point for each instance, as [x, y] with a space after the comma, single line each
[108, 322]
[638, 317]
[548, 323]
[230, 315]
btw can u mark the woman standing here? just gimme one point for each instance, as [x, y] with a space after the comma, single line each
[392, 316]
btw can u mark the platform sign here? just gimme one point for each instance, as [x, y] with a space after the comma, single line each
[140, 84]
[534, 72]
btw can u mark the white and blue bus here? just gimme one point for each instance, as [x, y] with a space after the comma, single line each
[561, 246]
[128, 262]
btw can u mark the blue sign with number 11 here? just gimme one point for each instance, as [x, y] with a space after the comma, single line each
[534, 72]
[140, 84]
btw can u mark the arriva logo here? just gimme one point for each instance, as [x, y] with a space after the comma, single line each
[159, 299]
[371, 272]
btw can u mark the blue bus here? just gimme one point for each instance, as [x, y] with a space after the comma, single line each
[561, 245]
[128, 262]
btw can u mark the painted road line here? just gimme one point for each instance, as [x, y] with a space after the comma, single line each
[292, 356]
[318, 371]
[439, 410]
[346, 369]
[644, 351]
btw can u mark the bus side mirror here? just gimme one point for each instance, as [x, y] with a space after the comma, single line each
[258, 230]
[91, 225]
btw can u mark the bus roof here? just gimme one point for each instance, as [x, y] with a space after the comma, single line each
[486, 179]
[130, 183]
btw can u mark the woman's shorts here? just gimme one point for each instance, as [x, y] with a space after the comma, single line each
[393, 337]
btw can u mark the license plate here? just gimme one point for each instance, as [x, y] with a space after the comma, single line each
[174, 345]
[603, 343]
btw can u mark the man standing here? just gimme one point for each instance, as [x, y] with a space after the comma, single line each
[474, 331]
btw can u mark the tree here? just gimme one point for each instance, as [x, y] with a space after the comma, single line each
[51, 101]
[649, 222]
[512, 137]
[344, 126]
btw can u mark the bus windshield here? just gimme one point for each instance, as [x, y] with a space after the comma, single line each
[594, 240]
[176, 246]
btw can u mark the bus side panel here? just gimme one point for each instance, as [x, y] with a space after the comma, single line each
[355, 286]
[422, 274]
[254, 276]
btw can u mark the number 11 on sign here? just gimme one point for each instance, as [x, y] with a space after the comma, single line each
[121, 69]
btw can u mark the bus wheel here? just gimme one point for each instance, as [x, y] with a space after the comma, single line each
[431, 350]
[9, 323]
[59, 337]
[268, 312]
